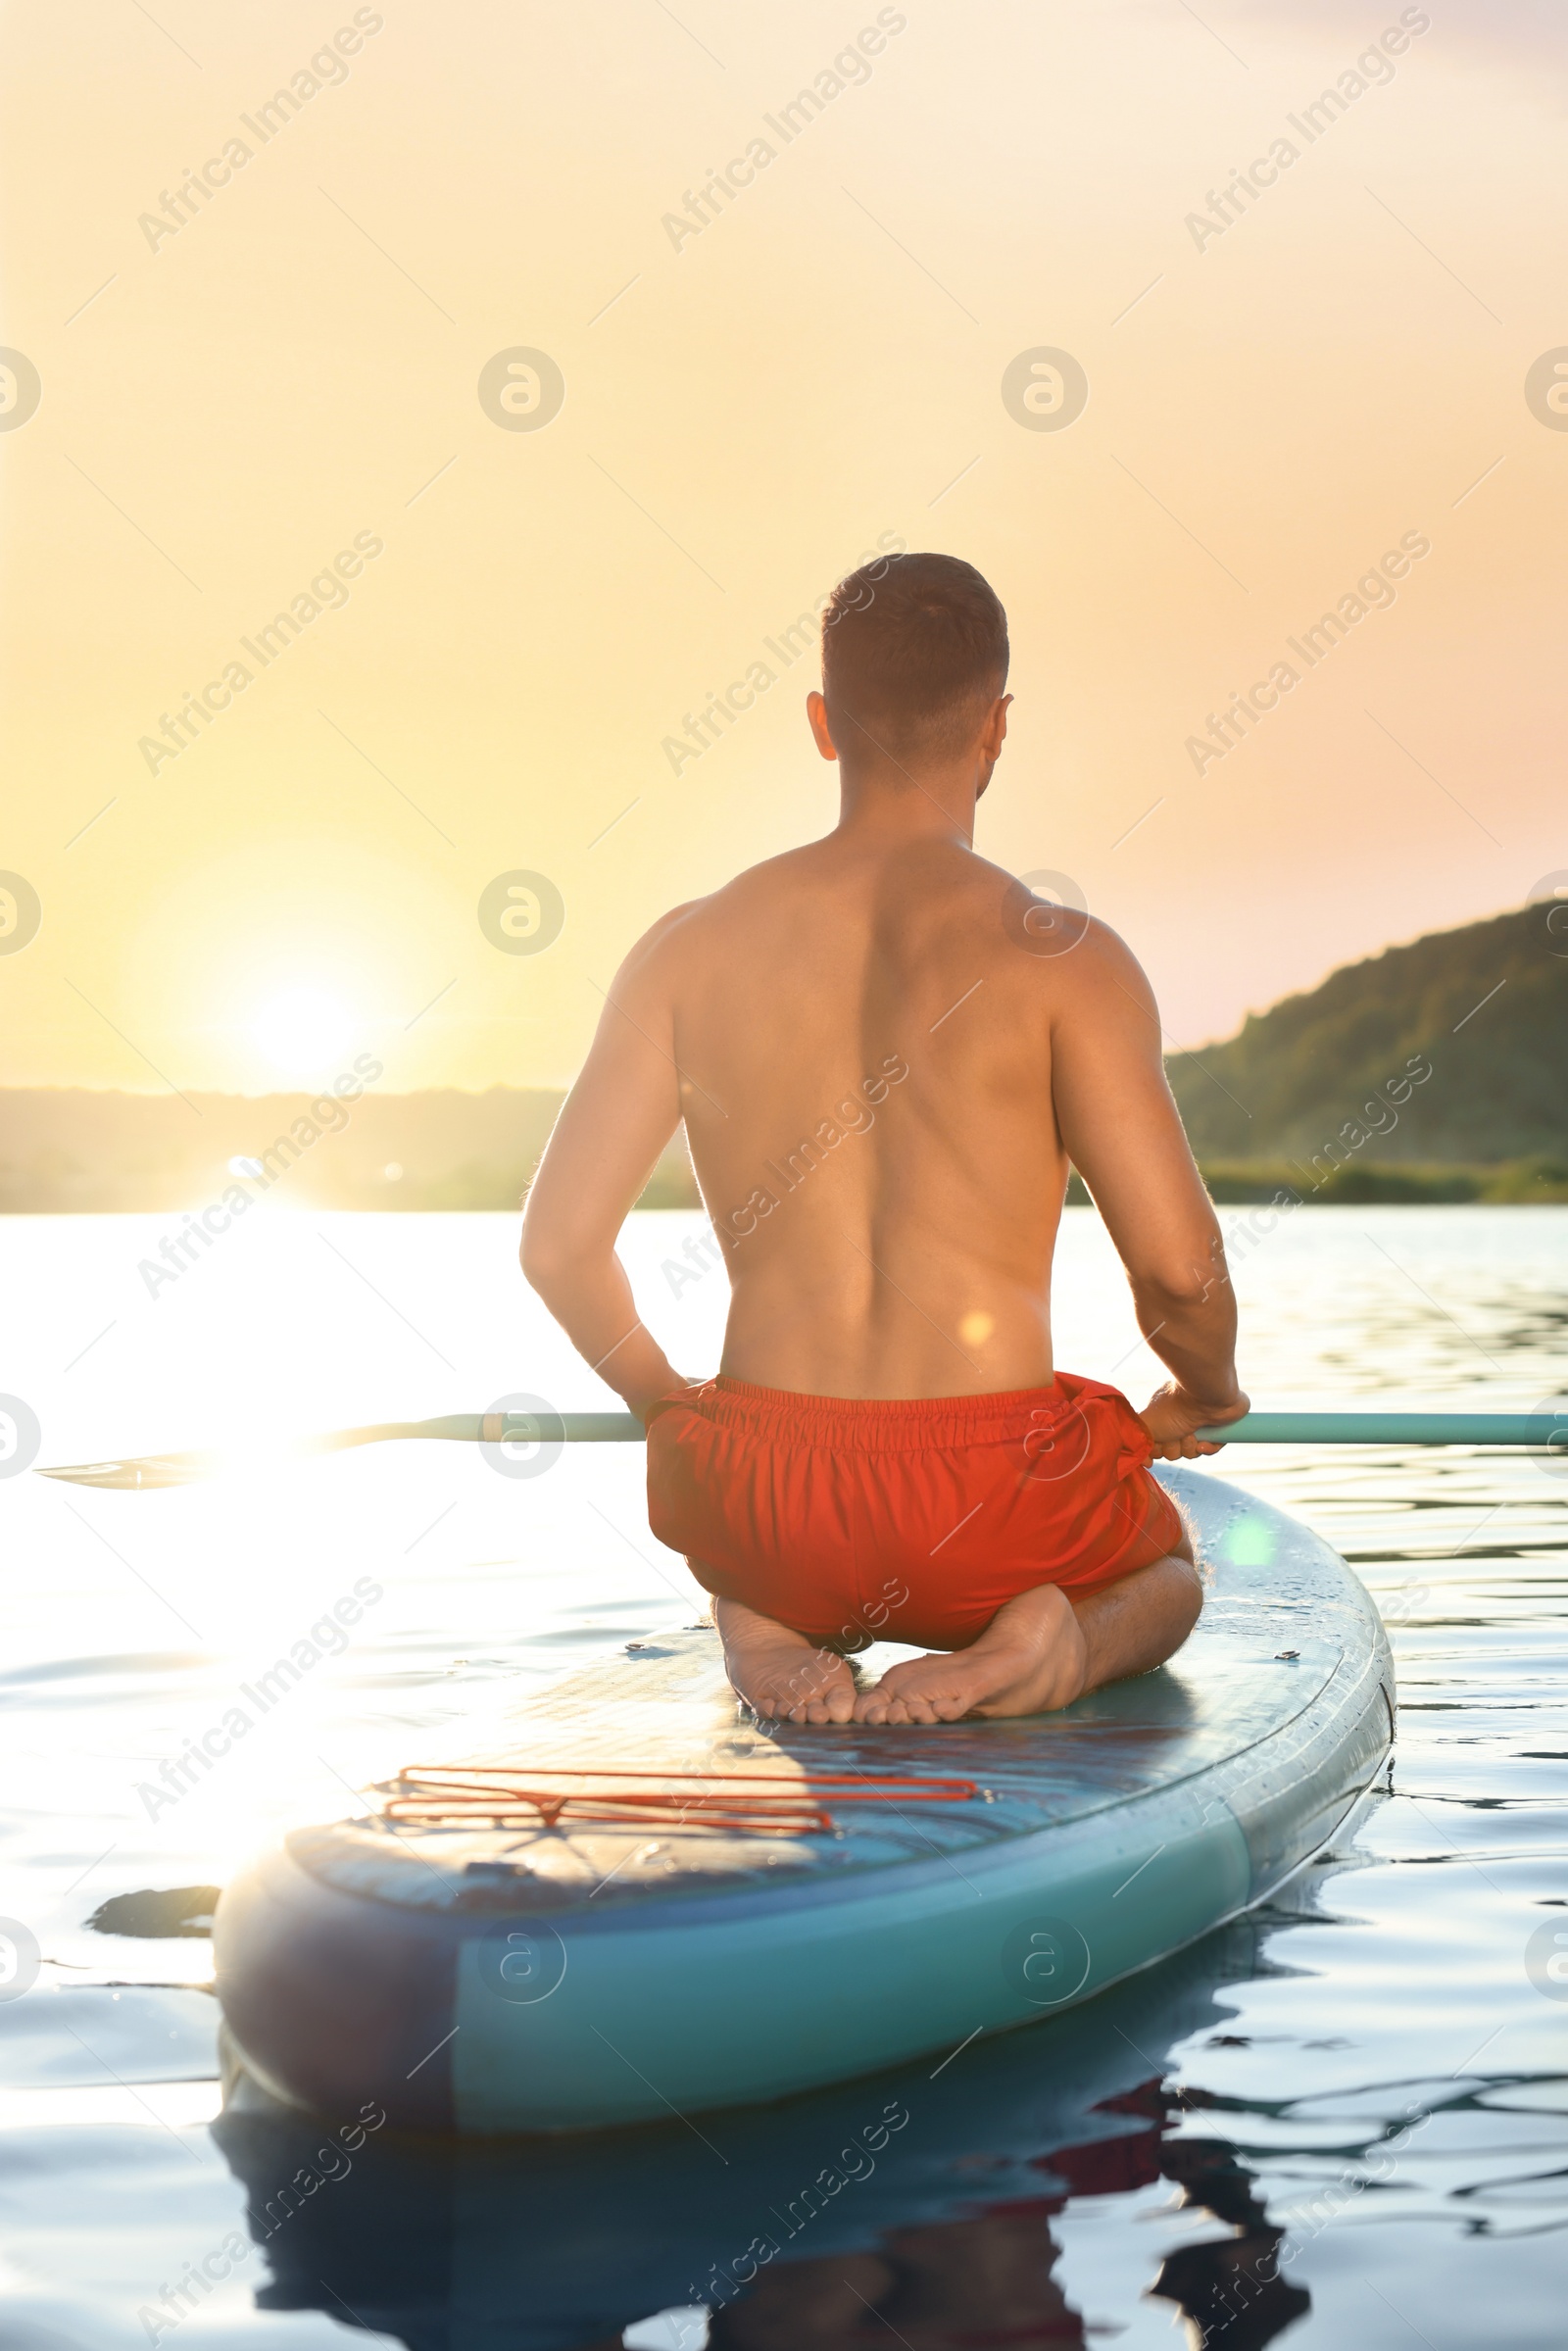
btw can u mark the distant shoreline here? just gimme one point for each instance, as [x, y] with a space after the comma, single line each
[1513, 1183]
[1537, 1181]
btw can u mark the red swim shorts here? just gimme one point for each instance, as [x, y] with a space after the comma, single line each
[909, 1520]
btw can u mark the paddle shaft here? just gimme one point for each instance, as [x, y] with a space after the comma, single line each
[1543, 1429]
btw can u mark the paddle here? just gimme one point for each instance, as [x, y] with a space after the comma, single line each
[472, 1428]
[1547, 1430]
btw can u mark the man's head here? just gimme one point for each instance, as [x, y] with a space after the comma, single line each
[914, 655]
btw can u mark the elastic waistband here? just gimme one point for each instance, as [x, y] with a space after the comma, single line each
[888, 1424]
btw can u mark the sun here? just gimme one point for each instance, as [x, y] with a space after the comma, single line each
[304, 1032]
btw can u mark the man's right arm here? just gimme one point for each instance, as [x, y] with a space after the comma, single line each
[615, 1121]
[1120, 1127]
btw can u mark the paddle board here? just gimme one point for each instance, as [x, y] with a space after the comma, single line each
[640, 1902]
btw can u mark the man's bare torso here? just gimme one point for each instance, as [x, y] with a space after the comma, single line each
[864, 1048]
[886, 1055]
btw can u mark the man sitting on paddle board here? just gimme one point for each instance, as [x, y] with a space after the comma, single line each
[886, 1052]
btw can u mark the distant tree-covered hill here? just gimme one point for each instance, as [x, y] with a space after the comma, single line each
[1483, 1010]
[1407, 1076]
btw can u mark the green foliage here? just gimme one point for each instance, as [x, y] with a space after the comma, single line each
[1485, 1006]
[1522, 1182]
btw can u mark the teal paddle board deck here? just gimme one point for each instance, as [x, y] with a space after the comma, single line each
[644, 1902]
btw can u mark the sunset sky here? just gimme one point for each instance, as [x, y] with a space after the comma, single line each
[231, 400]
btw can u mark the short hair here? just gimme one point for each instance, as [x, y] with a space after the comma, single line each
[914, 648]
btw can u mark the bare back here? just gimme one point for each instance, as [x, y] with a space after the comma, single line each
[866, 1069]
[884, 1074]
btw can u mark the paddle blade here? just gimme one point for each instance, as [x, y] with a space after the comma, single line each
[143, 1472]
[149, 1470]
[154, 1469]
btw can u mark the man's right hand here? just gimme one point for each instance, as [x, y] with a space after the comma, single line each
[1172, 1416]
[645, 1406]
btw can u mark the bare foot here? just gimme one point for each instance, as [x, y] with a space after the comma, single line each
[779, 1674]
[1030, 1658]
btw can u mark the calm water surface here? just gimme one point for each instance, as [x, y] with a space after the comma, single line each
[1346, 2115]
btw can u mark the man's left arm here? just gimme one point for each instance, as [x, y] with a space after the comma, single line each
[618, 1118]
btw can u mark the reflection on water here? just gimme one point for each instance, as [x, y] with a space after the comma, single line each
[1345, 2116]
[918, 2203]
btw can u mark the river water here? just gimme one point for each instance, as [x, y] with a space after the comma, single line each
[1346, 2115]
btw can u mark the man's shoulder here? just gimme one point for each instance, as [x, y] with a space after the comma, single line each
[1048, 915]
[698, 919]
[754, 885]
